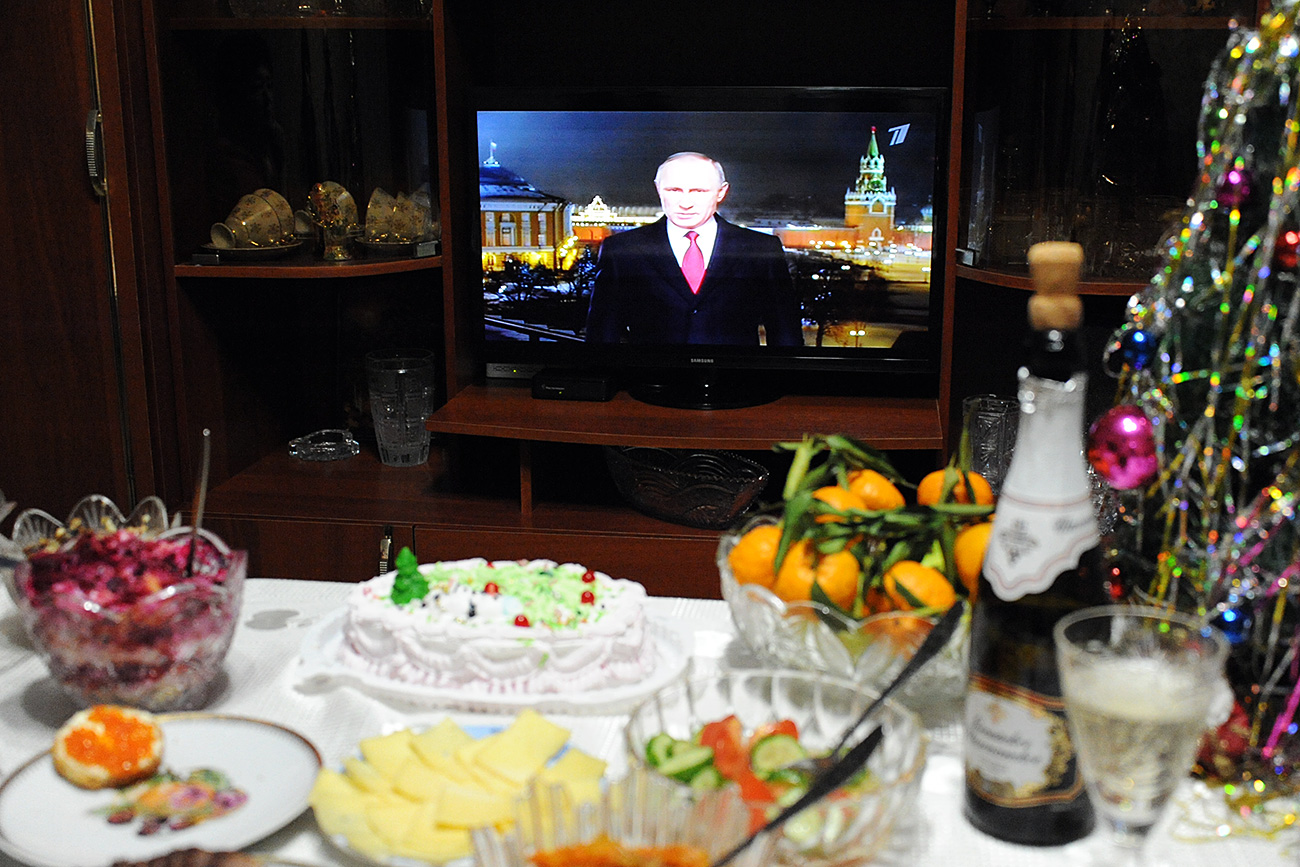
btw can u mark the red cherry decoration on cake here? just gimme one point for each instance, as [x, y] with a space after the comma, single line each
[521, 620]
[588, 577]
[588, 598]
[491, 588]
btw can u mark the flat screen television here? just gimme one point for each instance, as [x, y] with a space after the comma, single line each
[851, 181]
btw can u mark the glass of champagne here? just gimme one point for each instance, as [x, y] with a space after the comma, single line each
[1141, 686]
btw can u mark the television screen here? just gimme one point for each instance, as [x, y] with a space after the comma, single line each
[817, 218]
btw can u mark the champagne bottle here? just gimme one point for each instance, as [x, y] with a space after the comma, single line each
[1043, 561]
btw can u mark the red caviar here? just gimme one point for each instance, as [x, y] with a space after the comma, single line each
[604, 852]
[111, 739]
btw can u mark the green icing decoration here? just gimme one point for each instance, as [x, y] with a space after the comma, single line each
[408, 583]
[549, 597]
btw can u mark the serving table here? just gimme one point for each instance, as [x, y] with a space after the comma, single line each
[262, 679]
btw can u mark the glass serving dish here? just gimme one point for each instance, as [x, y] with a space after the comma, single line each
[811, 636]
[642, 809]
[120, 610]
[851, 825]
[36, 529]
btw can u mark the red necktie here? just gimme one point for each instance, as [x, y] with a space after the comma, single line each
[693, 263]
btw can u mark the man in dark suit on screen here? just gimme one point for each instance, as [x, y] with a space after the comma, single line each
[692, 277]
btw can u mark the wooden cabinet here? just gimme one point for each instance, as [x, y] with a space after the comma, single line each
[212, 103]
[72, 347]
[264, 351]
[1081, 125]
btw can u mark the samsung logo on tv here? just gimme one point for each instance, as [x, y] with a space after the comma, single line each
[702, 361]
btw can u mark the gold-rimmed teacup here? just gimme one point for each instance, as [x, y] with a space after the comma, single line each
[252, 223]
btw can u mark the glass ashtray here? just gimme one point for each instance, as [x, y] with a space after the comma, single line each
[324, 445]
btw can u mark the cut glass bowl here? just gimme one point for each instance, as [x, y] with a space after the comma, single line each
[642, 809]
[810, 636]
[849, 826]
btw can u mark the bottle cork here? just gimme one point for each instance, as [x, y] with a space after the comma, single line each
[1054, 267]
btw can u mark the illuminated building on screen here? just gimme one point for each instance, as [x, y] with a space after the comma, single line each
[868, 216]
[869, 204]
[519, 221]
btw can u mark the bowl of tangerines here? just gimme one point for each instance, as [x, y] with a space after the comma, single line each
[848, 573]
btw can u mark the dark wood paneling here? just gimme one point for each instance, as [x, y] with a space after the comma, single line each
[61, 435]
[666, 566]
[315, 550]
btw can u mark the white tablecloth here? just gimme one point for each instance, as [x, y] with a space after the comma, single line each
[262, 682]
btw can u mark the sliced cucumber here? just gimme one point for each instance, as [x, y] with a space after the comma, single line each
[775, 752]
[804, 829]
[790, 795]
[793, 777]
[707, 779]
[686, 761]
[659, 748]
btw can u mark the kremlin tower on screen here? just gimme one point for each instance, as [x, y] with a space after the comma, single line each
[869, 204]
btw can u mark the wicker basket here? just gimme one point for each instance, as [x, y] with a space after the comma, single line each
[708, 490]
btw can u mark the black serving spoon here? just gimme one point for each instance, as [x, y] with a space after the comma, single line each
[840, 768]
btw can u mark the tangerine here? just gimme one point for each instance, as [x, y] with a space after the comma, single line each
[914, 585]
[968, 554]
[903, 630]
[930, 490]
[836, 574]
[876, 491]
[753, 559]
[840, 499]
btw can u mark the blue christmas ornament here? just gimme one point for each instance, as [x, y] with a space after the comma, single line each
[1137, 348]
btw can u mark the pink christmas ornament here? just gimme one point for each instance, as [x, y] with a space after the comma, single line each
[1122, 447]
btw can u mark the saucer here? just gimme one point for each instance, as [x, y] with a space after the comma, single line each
[253, 254]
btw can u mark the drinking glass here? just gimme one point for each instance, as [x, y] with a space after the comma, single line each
[1141, 686]
[401, 384]
[991, 422]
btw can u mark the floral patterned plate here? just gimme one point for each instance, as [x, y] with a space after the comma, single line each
[262, 772]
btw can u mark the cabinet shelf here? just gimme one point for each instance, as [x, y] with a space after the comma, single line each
[299, 267]
[1102, 22]
[512, 413]
[315, 22]
[1020, 280]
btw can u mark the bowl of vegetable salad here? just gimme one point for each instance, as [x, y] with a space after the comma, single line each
[750, 732]
[641, 818]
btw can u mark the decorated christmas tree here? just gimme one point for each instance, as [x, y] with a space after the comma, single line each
[1204, 437]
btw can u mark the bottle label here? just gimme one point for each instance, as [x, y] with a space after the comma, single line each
[1034, 542]
[1018, 751]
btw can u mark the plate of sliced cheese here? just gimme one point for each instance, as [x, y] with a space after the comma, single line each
[411, 797]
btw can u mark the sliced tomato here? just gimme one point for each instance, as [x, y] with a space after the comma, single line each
[726, 730]
[754, 790]
[780, 727]
[726, 738]
[731, 757]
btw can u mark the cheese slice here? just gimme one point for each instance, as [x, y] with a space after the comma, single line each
[391, 820]
[442, 739]
[468, 807]
[524, 748]
[365, 776]
[389, 753]
[419, 782]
